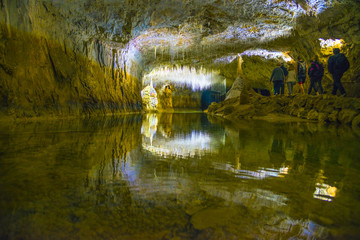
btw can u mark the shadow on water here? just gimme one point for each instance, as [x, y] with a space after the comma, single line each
[178, 176]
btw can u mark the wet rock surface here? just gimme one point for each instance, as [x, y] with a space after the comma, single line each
[39, 78]
[322, 108]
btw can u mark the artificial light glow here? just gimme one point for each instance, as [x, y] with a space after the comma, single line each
[165, 37]
[284, 56]
[226, 59]
[261, 173]
[295, 10]
[127, 56]
[331, 43]
[317, 6]
[327, 45]
[196, 79]
[324, 192]
[262, 32]
[267, 54]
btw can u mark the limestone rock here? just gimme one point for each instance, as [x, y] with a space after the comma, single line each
[149, 98]
[333, 116]
[346, 116]
[235, 90]
[313, 115]
[356, 123]
[323, 117]
[314, 108]
[166, 98]
[212, 107]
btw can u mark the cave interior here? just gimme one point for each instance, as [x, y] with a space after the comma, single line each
[62, 58]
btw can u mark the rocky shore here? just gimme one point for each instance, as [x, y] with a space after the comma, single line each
[324, 108]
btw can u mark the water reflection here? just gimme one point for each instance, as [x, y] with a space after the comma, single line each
[161, 138]
[177, 176]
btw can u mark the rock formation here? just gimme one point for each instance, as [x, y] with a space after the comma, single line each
[323, 108]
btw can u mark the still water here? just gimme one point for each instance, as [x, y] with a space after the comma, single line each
[178, 176]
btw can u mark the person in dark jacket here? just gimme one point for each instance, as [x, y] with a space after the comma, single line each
[337, 66]
[320, 76]
[284, 70]
[301, 73]
[314, 77]
[278, 78]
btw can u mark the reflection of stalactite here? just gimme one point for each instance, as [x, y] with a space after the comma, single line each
[4, 5]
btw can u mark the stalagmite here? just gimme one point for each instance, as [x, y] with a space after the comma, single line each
[239, 69]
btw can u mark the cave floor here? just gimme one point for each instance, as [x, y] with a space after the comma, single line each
[178, 176]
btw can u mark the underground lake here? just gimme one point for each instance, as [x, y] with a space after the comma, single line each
[178, 176]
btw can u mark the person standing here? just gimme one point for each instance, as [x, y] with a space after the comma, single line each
[314, 76]
[284, 70]
[301, 73]
[338, 64]
[320, 76]
[291, 79]
[278, 78]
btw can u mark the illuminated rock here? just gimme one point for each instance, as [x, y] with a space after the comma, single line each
[166, 101]
[149, 98]
[236, 89]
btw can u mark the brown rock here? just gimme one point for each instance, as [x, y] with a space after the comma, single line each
[212, 107]
[323, 117]
[356, 123]
[333, 116]
[302, 113]
[346, 116]
[313, 115]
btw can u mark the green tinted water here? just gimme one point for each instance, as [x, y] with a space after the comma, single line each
[178, 176]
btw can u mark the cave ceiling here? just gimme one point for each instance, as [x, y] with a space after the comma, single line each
[185, 32]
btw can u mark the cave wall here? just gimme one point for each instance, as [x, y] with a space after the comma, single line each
[340, 22]
[40, 77]
[50, 67]
[186, 98]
